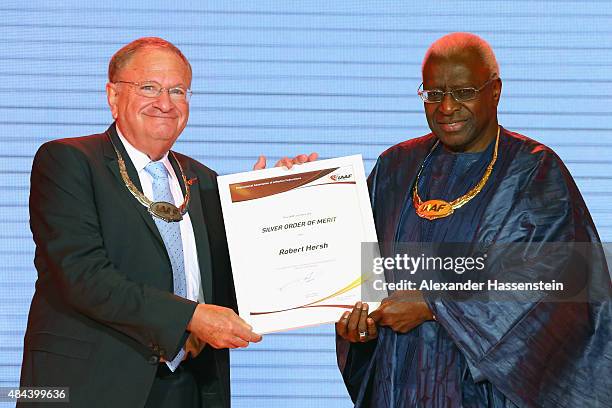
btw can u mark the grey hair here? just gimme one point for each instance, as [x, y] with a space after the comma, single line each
[127, 52]
[455, 43]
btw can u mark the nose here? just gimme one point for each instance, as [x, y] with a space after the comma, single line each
[163, 102]
[449, 105]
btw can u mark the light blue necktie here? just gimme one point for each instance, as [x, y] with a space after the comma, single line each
[171, 235]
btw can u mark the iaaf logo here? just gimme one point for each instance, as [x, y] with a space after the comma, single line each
[340, 177]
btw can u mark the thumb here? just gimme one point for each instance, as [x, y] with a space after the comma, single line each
[260, 163]
[376, 315]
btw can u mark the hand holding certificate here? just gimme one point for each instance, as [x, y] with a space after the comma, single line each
[295, 241]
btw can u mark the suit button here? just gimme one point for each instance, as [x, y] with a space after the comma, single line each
[153, 360]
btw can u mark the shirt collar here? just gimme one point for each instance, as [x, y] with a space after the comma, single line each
[140, 159]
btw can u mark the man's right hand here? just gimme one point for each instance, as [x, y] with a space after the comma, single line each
[285, 161]
[220, 327]
[355, 326]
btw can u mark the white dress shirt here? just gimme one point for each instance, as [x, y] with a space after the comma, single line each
[190, 254]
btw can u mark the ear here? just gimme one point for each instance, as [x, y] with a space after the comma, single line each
[496, 88]
[112, 96]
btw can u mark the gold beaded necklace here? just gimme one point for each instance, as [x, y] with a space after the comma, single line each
[434, 209]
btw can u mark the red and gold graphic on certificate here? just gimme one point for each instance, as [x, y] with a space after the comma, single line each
[252, 190]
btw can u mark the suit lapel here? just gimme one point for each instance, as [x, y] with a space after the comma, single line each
[196, 213]
[195, 209]
[113, 166]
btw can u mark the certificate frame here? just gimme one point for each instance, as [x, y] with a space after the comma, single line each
[294, 237]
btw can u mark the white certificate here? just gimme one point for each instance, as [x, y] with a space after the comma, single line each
[295, 239]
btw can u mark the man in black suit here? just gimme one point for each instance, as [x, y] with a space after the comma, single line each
[120, 315]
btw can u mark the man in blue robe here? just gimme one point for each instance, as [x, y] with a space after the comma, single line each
[437, 352]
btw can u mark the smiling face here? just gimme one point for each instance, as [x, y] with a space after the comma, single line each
[462, 126]
[151, 125]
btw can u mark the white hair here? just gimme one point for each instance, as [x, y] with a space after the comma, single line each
[455, 43]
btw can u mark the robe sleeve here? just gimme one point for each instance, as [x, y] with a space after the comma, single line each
[538, 352]
[354, 359]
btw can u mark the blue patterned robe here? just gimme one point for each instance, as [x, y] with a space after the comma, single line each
[484, 354]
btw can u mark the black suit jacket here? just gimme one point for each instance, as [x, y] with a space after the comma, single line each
[103, 311]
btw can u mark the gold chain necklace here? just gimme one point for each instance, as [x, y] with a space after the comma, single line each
[434, 209]
[160, 209]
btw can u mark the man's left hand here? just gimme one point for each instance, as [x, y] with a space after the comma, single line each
[402, 311]
[285, 161]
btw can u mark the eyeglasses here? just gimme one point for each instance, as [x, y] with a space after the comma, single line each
[153, 90]
[459, 94]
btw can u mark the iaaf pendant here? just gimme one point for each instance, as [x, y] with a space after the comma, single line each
[165, 211]
[434, 209]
